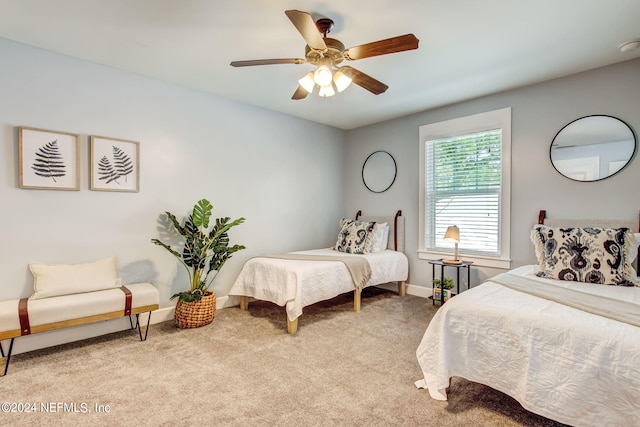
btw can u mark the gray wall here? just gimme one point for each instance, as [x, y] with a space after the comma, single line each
[251, 162]
[538, 112]
[247, 161]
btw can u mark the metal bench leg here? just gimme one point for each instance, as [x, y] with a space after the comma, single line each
[146, 328]
[7, 358]
[131, 322]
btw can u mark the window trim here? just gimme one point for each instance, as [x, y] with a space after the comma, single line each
[460, 126]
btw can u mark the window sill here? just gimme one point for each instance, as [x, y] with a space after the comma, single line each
[478, 261]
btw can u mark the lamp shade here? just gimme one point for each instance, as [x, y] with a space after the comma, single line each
[326, 91]
[323, 76]
[341, 80]
[452, 235]
[307, 82]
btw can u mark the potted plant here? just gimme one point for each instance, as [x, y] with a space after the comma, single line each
[203, 253]
[437, 287]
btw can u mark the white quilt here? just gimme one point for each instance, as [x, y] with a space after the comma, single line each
[557, 361]
[297, 284]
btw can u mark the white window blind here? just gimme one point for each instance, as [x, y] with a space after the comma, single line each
[463, 176]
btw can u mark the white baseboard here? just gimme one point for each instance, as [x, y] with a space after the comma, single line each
[82, 332]
[419, 291]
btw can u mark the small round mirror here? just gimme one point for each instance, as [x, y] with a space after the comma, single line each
[379, 171]
[592, 148]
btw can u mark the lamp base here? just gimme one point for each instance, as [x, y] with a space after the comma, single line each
[452, 261]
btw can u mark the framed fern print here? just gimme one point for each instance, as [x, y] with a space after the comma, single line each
[115, 164]
[48, 160]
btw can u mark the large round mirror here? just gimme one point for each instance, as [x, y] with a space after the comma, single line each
[592, 148]
[379, 171]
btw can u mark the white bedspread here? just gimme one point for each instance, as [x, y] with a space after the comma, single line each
[297, 284]
[557, 361]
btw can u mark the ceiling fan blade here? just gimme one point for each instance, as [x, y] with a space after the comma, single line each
[382, 47]
[307, 27]
[300, 93]
[267, 62]
[365, 81]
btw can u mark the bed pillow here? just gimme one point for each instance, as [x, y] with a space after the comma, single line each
[585, 254]
[51, 280]
[634, 247]
[381, 238]
[538, 247]
[355, 237]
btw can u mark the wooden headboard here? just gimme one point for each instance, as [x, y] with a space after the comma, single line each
[396, 228]
[613, 223]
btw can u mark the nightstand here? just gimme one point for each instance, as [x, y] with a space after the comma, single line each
[465, 264]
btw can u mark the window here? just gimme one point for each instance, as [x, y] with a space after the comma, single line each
[465, 181]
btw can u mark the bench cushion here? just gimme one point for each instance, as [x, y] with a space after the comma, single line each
[50, 280]
[48, 311]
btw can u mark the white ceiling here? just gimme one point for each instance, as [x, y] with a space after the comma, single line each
[468, 48]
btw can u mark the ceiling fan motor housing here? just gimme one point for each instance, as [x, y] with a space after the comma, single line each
[333, 52]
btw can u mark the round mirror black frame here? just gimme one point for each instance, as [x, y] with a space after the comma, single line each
[395, 173]
[628, 160]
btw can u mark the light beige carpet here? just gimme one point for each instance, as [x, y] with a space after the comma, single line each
[341, 368]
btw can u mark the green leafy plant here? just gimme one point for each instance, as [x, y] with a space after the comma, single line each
[448, 283]
[205, 248]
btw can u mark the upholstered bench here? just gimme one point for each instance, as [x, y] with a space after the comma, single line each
[102, 298]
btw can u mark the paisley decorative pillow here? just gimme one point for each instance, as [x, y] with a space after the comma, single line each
[587, 254]
[355, 237]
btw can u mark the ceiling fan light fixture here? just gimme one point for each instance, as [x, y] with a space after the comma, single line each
[307, 82]
[323, 76]
[341, 80]
[326, 91]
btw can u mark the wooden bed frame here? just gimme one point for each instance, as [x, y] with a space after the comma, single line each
[402, 286]
[542, 215]
[292, 325]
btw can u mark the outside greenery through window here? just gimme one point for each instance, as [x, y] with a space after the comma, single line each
[465, 181]
[463, 188]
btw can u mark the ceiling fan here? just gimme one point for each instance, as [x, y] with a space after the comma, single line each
[327, 53]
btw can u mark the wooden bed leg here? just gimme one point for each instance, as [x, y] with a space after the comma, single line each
[244, 302]
[357, 297]
[402, 288]
[292, 326]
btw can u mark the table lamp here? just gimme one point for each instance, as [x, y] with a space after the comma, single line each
[452, 235]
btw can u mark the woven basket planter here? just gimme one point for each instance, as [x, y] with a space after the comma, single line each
[195, 314]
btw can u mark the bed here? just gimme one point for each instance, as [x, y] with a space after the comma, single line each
[298, 279]
[567, 350]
